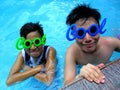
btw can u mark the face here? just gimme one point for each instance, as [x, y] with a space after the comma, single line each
[89, 43]
[34, 51]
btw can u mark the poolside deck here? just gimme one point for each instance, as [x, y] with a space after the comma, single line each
[112, 80]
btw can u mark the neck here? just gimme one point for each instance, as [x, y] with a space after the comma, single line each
[35, 59]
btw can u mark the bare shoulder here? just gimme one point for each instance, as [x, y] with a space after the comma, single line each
[52, 49]
[20, 57]
[51, 54]
[19, 61]
[71, 53]
[72, 48]
[51, 59]
[109, 39]
[111, 42]
[18, 64]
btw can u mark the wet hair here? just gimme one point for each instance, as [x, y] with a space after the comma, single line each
[82, 11]
[31, 27]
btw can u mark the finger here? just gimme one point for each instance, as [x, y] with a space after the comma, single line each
[88, 73]
[101, 65]
[85, 73]
[96, 75]
[103, 77]
[91, 73]
[88, 78]
[94, 69]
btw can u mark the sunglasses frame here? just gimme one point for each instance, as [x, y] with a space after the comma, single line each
[20, 43]
[87, 31]
[71, 32]
[32, 42]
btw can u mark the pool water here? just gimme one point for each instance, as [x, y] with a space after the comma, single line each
[52, 15]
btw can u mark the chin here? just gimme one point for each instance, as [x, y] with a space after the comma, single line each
[35, 55]
[89, 50]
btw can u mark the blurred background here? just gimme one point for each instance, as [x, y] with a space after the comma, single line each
[52, 15]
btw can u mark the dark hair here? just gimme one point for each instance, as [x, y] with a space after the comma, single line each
[31, 27]
[82, 11]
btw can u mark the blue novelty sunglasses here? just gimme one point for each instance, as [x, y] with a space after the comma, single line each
[80, 33]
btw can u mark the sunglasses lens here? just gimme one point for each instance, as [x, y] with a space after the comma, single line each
[93, 29]
[80, 33]
[37, 42]
[27, 44]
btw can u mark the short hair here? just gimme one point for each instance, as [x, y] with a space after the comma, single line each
[31, 27]
[82, 11]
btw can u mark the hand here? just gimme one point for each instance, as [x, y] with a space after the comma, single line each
[93, 73]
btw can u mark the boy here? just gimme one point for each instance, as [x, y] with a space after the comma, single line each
[36, 59]
[90, 50]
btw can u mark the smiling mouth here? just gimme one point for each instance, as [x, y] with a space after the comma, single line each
[90, 45]
[33, 51]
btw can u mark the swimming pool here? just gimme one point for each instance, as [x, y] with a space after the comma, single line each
[52, 14]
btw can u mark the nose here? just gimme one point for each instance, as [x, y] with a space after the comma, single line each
[88, 38]
[33, 46]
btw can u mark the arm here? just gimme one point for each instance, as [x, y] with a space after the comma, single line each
[116, 43]
[15, 74]
[69, 68]
[48, 76]
[89, 71]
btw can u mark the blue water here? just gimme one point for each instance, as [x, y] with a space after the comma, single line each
[52, 14]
